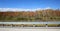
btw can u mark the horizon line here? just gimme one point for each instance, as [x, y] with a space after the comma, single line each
[22, 9]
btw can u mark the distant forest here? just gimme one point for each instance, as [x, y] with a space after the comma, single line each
[38, 15]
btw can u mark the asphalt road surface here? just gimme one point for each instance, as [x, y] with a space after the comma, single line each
[30, 29]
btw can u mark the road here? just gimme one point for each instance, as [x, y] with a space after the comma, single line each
[30, 29]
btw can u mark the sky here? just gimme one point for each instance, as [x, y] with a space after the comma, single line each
[30, 4]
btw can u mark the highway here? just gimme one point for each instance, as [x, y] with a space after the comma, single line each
[17, 28]
[31, 29]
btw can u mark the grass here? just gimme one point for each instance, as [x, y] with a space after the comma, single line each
[51, 18]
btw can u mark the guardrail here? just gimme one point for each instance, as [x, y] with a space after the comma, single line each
[30, 24]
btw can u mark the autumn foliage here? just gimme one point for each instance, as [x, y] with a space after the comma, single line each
[40, 15]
